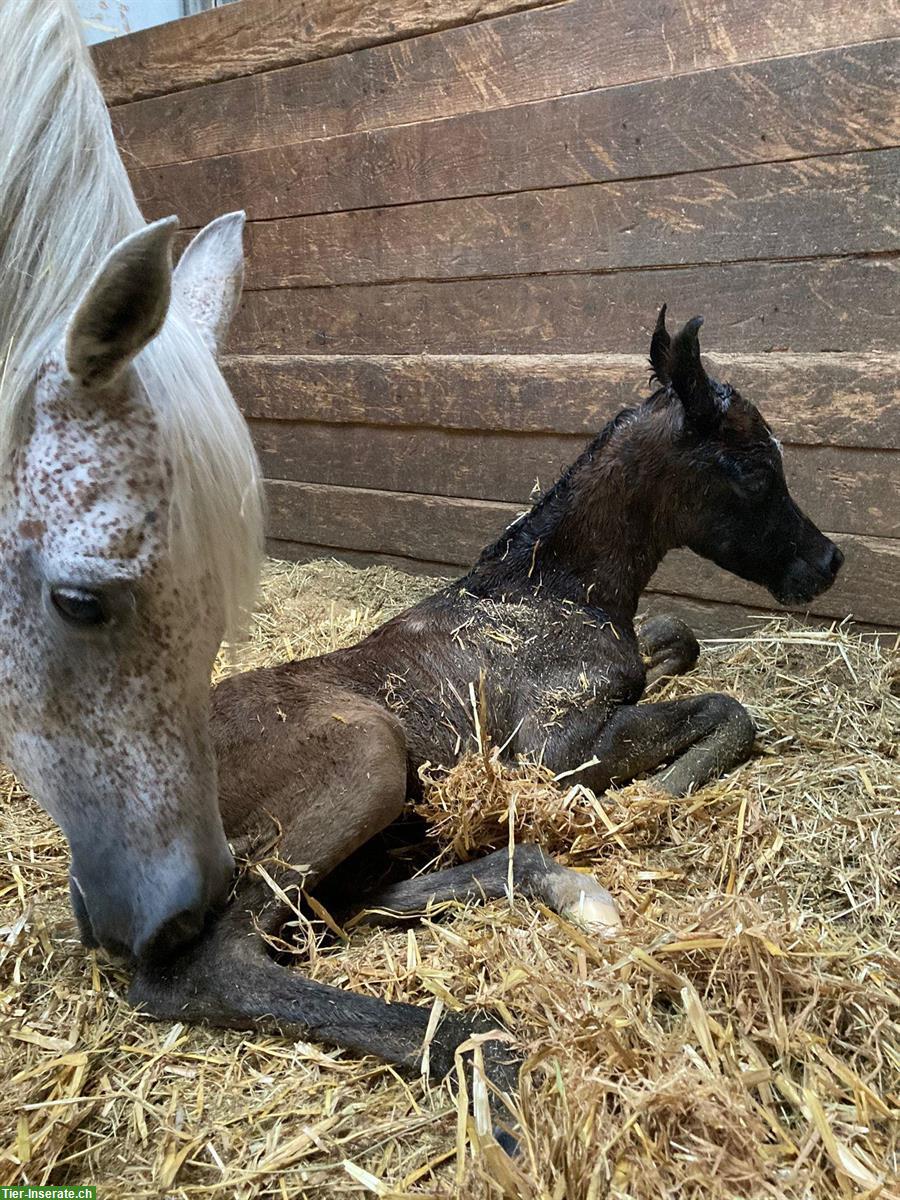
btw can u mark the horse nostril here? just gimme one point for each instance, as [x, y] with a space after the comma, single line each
[177, 932]
[837, 560]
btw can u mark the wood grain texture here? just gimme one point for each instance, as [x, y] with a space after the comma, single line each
[263, 35]
[290, 551]
[763, 112]
[572, 47]
[825, 305]
[439, 529]
[464, 217]
[850, 491]
[708, 618]
[810, 399]
[711, 619]
[819, 207]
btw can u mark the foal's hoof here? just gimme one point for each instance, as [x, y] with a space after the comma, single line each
[501, 1063]
[582, 900]
[507, 1142]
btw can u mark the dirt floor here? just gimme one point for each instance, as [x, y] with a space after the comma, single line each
[741, 1040]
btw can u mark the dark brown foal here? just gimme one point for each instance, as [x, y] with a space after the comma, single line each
[328, 750]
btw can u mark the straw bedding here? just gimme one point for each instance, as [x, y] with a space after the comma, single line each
[742, 1039]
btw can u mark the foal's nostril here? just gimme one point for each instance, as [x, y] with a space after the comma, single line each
[837, 560]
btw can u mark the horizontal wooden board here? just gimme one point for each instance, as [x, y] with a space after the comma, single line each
[852, 491]
[811, 399]
[841, 304]
[439, 529]
[289, 551]
[572, 47]
[711, 619]
[262, 35]
[764, 112]
[829, 206]
[708, 619]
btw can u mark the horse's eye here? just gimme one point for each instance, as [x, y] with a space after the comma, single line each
[79, 607]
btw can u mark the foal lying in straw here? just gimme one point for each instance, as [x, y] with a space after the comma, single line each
[538, 637]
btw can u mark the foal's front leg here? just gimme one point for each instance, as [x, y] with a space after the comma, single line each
[699, 738]
[668, 647]
[228, 979]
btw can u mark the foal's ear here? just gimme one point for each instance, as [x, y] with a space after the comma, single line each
[689, 379]
[660, 346]
[209, 276]
[123, 306]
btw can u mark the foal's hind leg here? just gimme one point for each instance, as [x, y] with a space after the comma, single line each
[321, 771]
[535, 875]
[700, 738]
[316, 770]
[668, 646]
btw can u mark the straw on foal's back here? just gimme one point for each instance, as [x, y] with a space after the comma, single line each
[65, 200]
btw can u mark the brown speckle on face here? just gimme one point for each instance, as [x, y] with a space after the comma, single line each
[106, 726]
[32, 529]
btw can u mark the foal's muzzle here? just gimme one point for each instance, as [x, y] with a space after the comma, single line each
[810, 573]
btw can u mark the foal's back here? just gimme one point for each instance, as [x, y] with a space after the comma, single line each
[519, 660]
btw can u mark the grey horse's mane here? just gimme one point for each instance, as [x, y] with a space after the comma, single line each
[65, 200]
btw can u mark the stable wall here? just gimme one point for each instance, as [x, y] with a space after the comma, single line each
[464, 215]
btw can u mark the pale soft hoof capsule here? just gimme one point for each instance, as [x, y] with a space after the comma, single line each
[597, 915]
[582, 900]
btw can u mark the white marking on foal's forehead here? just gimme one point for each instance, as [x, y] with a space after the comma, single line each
[778, 446]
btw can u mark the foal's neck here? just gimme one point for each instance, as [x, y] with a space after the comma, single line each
[600, 533]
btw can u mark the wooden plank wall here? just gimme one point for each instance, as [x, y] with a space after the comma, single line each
[464, 215]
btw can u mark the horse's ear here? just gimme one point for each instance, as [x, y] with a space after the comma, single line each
[689, 379]
[660, 346]
[123, 306]
[209, 276]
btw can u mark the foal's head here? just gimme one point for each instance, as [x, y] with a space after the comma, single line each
[129, 512]
[739, 512]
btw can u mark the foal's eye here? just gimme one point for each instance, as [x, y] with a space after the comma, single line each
[755, 483]
[79, 607]
[750, 480]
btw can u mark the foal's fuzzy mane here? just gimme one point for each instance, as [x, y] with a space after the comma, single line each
[65, 200]
[536, 525]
